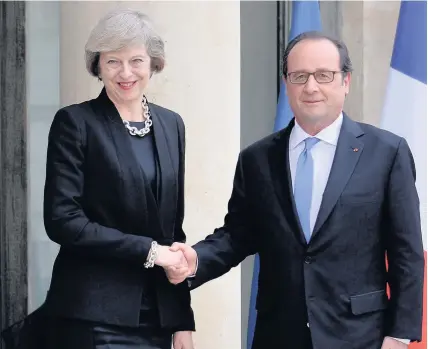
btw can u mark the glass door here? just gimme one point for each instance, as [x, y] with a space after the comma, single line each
[43, 100]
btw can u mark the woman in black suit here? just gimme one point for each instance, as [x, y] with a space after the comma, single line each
[114, 202]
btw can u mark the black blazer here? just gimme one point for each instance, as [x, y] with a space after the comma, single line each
[337, 282]
[99, 209]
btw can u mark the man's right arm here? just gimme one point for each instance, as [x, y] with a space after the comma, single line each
[229, 245]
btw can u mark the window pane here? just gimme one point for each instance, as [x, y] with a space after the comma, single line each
[42, 56]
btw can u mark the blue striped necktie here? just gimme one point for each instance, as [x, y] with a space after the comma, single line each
[303, 186]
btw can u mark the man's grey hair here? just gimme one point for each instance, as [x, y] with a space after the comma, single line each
[119, 29]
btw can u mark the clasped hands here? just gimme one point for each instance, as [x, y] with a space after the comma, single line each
[179, 261]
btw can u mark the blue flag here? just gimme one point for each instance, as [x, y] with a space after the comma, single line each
[305, 17]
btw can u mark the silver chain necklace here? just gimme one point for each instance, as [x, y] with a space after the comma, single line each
[133, 131]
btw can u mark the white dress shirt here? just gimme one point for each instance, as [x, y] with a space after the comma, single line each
[322, 154]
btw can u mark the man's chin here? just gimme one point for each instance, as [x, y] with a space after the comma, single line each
[314, 117]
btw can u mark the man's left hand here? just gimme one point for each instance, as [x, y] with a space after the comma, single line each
[183, 340]
[391, 343]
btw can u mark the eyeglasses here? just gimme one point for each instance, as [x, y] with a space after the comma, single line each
[322, 77]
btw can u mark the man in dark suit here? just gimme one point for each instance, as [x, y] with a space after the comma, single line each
[322, 202]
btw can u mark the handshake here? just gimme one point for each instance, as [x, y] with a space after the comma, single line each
[179, 261]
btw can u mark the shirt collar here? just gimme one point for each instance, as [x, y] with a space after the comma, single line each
[329, 135]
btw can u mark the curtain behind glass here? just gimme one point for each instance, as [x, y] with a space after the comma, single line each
[43, 79]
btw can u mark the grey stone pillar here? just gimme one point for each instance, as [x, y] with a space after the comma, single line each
[13, 178]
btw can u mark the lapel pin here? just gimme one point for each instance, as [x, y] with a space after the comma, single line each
[355, 149]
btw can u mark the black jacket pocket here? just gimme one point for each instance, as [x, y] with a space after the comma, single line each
[369, 302]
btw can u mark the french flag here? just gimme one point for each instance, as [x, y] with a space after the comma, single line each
[405, 109]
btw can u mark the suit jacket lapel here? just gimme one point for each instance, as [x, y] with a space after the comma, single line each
[167, 199]
[348, 151]
[132, 178]
[138, 194]
[281, 180]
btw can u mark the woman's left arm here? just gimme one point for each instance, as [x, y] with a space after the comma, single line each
[184, 332]
[183, 340]
[179, 235]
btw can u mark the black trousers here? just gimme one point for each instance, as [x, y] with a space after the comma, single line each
[268, 341]
[75, 334]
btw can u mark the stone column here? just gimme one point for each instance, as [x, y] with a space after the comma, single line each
[380, 23]
[13, 165]
[368, 28]
[352, 33]
[201, 82]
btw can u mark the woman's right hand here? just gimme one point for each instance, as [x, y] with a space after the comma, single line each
[167, 258]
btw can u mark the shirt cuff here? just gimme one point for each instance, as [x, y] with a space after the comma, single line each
[405, 341]
[196, 269]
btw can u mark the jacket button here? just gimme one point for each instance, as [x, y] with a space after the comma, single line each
[308, 260]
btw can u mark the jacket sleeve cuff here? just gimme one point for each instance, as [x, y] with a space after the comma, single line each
[196, 269]
[405, 341]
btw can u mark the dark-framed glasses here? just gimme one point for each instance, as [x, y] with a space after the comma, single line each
[321, 76]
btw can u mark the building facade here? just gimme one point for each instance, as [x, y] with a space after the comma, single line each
[222, 74]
